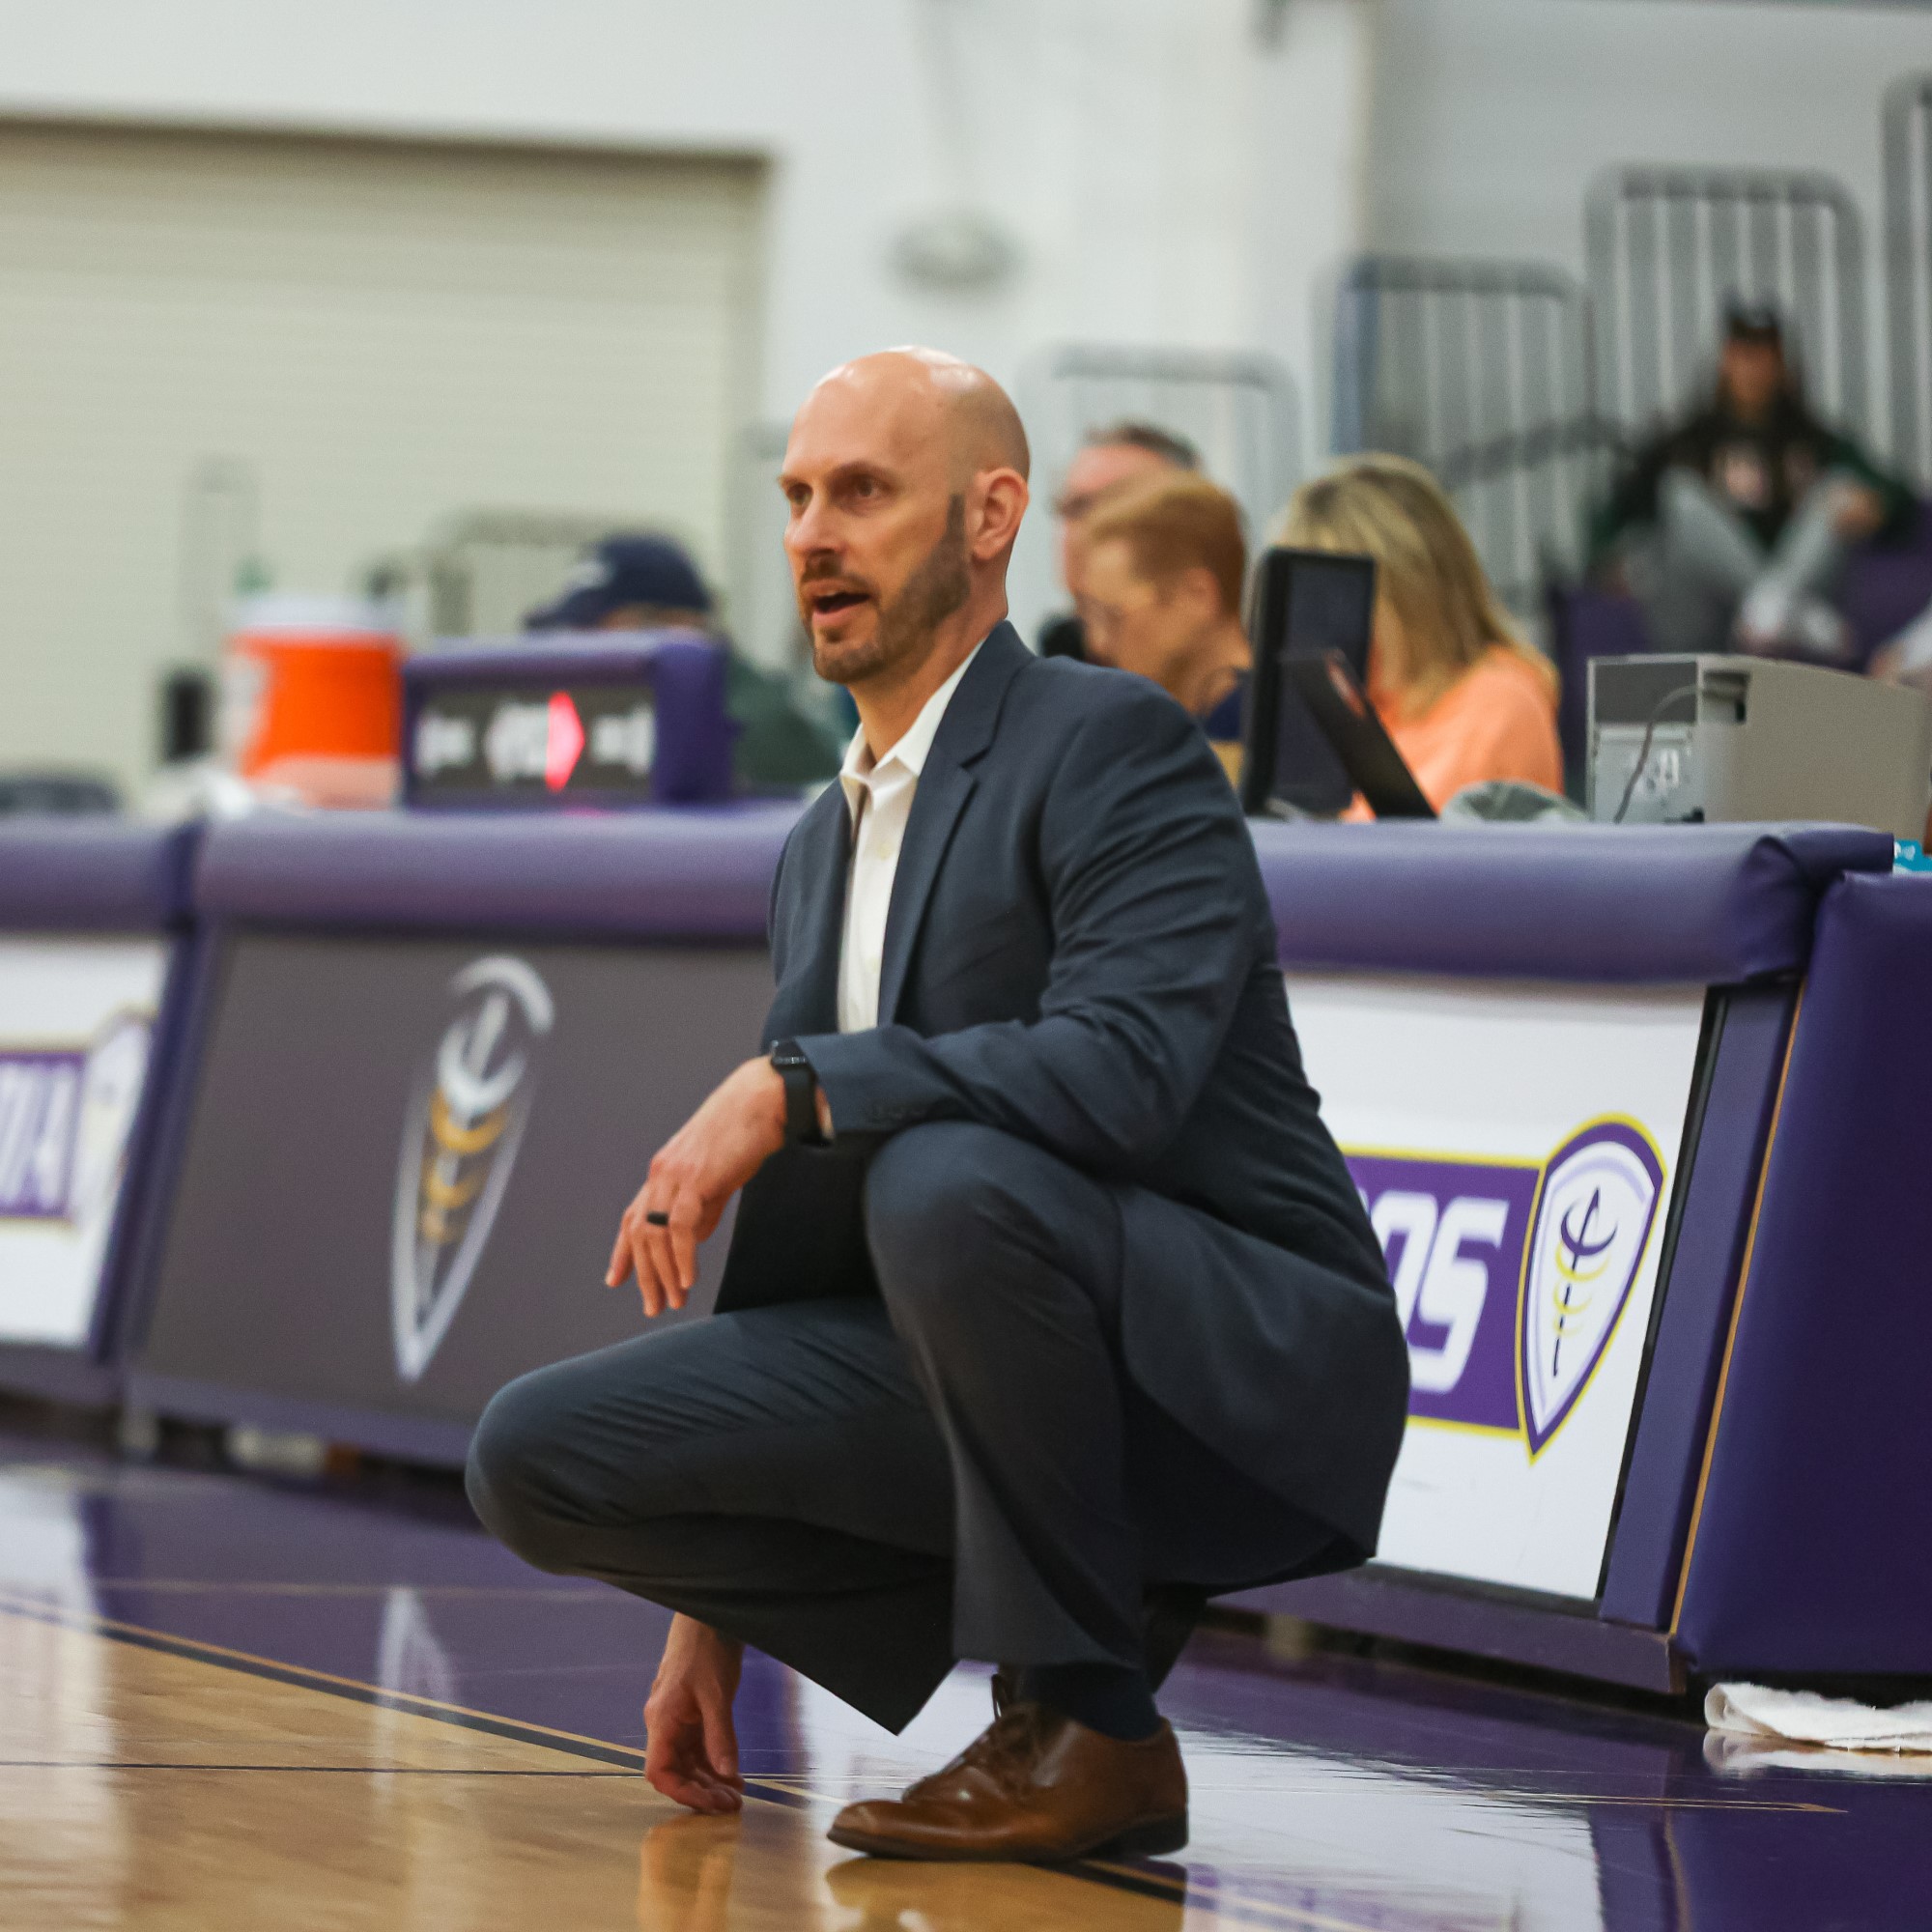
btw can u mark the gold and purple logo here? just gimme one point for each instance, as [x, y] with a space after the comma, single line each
[465, 1119]
[1594, 1214]
[1512, 1276]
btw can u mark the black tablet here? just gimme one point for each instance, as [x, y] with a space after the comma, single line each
[1307, 604]
[1363, 748]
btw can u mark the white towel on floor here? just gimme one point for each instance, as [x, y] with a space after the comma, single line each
[1803, 1718]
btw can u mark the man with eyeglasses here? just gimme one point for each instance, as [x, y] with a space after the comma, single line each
[1116, 453]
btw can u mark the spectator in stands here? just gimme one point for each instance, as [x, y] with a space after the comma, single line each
[1119, 453]
[1463, 695]
[1162, 566]
[642, 583]
[1732, 528]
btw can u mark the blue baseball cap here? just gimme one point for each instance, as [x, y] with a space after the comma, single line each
[621, 572]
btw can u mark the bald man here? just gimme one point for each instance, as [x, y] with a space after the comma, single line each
[1051, 1308]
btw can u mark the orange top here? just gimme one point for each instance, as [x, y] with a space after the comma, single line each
[1497, 720]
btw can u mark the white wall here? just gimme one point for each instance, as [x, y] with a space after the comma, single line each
[1173, 174]
[315, 353]
[1490, 118]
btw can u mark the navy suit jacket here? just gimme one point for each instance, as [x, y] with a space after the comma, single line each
[1080, 953]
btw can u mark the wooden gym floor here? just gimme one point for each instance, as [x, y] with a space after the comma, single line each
[226, 1703]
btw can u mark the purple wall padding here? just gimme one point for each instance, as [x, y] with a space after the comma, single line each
[1680, 904]
[1811, 1551]
[667, 875]
[94, 875]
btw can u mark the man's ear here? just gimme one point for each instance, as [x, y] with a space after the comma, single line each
[997, 502]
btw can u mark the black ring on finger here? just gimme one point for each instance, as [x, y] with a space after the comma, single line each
[655, 1220]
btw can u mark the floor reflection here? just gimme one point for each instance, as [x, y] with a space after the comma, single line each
[1327, 1793]
[684, 1875]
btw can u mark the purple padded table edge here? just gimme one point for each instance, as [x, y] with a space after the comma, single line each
[671, 874]
[1611, 904]
[94, 875]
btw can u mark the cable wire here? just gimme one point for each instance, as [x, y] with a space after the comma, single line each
[1657, 711]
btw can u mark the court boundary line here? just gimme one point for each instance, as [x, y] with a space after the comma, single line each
[303, 1676]
[1179, 1888]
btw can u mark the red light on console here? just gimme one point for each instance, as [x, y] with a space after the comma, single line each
[564, 744]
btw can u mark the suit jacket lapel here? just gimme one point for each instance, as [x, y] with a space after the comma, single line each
[944, 788]
[819, 861]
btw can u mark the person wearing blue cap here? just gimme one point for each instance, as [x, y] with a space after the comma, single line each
[643, 581]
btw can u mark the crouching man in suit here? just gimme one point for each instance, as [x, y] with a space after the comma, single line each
[1051, 1308]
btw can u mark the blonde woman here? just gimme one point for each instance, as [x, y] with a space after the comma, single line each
[1462, 695]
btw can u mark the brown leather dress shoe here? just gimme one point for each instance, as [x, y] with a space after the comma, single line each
[1037, 1788]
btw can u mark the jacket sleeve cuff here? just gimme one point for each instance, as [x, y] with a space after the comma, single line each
[865, 1088]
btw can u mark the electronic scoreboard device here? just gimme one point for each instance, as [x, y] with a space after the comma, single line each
[592, 719]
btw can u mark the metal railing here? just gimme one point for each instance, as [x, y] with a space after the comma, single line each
[1482, 371]
[1907, 271]
[1669, 247]
[1239, 411]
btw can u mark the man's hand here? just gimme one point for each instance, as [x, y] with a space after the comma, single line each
[690, 1750]
[692, 1178]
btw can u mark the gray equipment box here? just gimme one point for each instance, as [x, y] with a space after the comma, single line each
[1675, 740]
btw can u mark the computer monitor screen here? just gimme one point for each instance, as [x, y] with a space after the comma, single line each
[1307, 604]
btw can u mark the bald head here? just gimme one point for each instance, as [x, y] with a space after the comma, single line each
[906, 473]
[970, 411]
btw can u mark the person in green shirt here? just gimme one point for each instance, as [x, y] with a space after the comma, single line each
[638, 582]
[1732, 526]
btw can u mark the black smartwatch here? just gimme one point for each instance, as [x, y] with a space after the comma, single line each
[801, 1085]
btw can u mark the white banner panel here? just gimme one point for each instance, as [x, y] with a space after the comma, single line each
[76, 1016]
[1517, 1147]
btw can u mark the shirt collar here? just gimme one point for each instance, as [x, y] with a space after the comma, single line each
[914, 748]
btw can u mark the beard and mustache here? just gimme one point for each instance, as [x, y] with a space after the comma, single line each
[939, 585]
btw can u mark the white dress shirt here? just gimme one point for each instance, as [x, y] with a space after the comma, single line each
[879, 794]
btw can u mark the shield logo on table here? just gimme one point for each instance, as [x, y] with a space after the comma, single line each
[1594, 1216]
[466, 1116]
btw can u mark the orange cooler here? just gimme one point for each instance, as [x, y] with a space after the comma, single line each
[311, 696]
